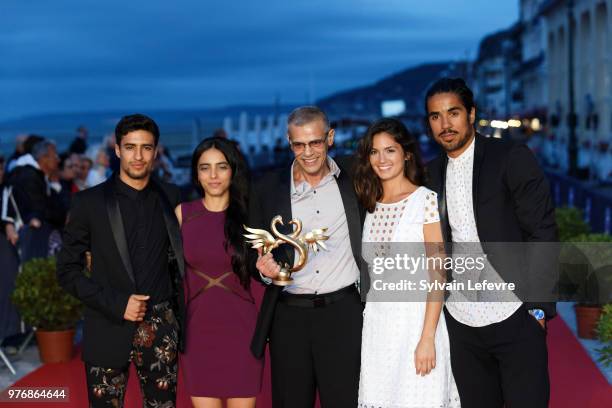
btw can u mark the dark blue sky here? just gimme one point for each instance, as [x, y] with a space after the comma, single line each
[69, 55]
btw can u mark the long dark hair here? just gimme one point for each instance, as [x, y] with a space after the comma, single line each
[236, 213]
[367, 184]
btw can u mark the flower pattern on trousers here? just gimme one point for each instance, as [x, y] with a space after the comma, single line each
[154, 353]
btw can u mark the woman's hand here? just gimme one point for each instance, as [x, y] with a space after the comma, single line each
[425, 356]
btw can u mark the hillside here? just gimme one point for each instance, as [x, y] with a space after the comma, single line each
[409, 85]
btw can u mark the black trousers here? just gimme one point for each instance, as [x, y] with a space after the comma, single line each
[154, 353]
[316, 348]
[504, 364]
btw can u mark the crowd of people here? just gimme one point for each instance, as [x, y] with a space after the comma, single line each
[37, 184]
[169, 275]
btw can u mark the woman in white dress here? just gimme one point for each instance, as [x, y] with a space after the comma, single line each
[405, 360]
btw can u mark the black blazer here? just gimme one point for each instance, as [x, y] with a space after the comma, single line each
[95, 225]
[30, 192]
[270, 196]
[511, 198]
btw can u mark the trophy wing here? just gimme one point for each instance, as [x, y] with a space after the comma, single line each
[260, 238]
[314, 239]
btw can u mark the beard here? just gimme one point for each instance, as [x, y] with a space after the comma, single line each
[458, 142]
[137, 175]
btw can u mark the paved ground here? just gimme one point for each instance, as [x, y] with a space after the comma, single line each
[23, 364]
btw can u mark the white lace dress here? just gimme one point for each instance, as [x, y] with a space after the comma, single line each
[392, 330]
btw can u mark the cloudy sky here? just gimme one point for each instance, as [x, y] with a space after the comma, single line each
[74, 55]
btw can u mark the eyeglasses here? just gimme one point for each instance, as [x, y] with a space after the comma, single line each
[313, 144]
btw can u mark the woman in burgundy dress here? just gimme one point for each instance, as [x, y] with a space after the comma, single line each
[217, 365]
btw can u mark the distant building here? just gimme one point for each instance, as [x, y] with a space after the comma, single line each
[592, 65]
[533, 72]
[497, 84]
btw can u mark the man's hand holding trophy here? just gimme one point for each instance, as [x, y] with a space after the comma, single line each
[265, 242]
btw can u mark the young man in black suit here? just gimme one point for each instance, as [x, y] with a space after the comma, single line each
[313, 325]
[491, 191]
[133, 293]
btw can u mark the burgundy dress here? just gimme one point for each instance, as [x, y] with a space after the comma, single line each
[221, 314]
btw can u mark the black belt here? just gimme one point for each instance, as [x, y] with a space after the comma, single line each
[165, 305]
[312, 301]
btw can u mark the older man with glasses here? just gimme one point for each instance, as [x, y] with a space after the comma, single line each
[313, 325]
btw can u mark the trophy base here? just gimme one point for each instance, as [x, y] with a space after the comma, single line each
[282, 282]
[284, 277]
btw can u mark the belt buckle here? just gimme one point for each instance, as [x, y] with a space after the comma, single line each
[318, 301]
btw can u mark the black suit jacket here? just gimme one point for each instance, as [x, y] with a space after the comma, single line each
[95, 225]
[512, 203]
[269, 197]
[30, 192]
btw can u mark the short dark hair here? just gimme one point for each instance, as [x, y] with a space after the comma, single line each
[29, 143]
[452, 85]
[137, 121]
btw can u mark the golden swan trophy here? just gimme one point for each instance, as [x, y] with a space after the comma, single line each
[260, 238]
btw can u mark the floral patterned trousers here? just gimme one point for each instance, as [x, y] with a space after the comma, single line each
[154, 353]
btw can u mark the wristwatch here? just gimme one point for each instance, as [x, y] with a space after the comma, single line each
[537, 313]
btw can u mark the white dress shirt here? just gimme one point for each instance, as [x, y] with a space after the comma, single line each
[460, 208]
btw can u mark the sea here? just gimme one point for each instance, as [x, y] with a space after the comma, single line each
[181, 130]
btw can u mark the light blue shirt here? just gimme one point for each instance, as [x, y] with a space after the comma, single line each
[322, 207]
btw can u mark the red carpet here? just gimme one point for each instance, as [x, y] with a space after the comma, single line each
[72, 376]
[575, 380]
